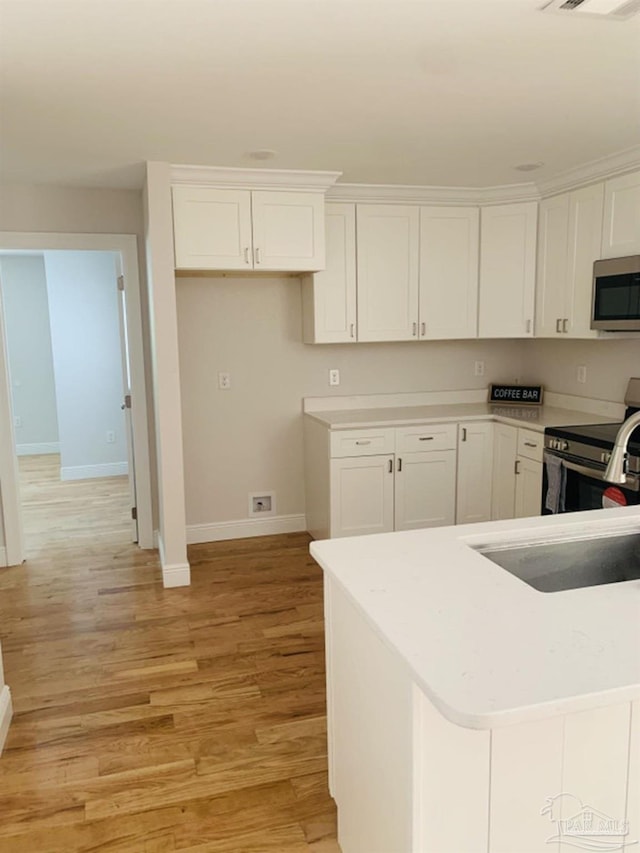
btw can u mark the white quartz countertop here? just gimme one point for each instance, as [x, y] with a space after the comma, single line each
[487, 648]
[532, 417]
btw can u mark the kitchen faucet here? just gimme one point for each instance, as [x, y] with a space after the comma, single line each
[616, 469]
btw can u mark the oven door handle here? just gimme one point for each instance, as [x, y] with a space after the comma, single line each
[632, 483]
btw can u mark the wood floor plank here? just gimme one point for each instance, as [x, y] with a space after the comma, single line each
[151, 720]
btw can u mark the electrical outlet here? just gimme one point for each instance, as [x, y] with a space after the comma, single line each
[224, 381]
[334, 376]
[17, 421]
[111, 437]
[479, 368]
[582, 373]
[262, 503]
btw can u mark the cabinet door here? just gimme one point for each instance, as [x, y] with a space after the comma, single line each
[449, 272]
[551, 297]
[503, 498]
[361, 495]
[507, 270]
[425, 489]
[528, 488]
[621, 232]
[475, 462]
[329, 297]
[585, 230]
[288, 231]
[212, 228]
[387, 237]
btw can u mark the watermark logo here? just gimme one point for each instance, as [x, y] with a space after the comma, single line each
[580, 825]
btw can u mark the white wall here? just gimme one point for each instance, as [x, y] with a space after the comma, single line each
[249, 438]
[609, 365]
[26, 306]
[85, 339]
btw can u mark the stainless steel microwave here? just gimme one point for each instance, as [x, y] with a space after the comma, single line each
[616, 294]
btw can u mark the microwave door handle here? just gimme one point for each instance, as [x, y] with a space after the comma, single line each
[633, 484]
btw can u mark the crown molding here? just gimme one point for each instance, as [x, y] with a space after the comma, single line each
[251, 179]
[588, 173]
[406, 194]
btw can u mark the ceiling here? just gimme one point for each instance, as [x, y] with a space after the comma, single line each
[437, 92]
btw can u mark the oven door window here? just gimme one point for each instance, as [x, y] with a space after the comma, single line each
[584, 492]
[617, 297]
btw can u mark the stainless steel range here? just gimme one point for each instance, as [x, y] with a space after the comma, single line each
[576, 460]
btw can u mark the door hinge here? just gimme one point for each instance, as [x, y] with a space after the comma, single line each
[127, 401]
[134, 513]
[120, 282]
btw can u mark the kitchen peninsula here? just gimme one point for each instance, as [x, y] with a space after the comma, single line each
[463, 702]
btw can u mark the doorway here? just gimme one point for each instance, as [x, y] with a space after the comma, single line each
[122, 463]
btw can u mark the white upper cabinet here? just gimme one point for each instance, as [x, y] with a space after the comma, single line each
[585, 229]
[553, 235]
[228, 229]
[449, 272]
[569, 238]
[388, 258]
[212, 228]
[288, 230]
[507, 270]
[621, 234]
[329, 297]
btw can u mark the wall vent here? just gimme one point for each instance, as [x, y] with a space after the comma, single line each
[620, 10]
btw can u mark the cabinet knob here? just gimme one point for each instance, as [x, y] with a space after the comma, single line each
[464, 433]
[423, 329]
[414, 331]
[559, 325]
[257, 255]
[352, 330]
[391, 466]
[564, 325]
[528, 327]
[517, 466]
[399, 465]
[247, 260]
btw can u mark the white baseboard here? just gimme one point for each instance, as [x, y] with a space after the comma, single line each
[38, 448]
[173, 574]
[6, 712]
[89, 472]
[245, 528]
[3, 556]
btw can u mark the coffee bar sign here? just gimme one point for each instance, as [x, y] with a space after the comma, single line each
[530, 395]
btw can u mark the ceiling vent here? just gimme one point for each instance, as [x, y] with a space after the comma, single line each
[619, 10]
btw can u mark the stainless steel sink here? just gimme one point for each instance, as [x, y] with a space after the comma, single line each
[554, 566]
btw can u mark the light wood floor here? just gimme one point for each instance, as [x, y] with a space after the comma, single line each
[151, 720]
[85, 511]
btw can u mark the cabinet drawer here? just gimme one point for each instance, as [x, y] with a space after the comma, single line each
[530, 444]
[362, 442]
[430, 437]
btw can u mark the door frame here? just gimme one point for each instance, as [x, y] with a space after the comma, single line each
[126, 245]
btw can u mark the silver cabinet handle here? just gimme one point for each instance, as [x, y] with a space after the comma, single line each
[559, 326]
[517, 466]
[528, 327]
[426, 438]
[423, 329]
[391, 466]
[415, 330]
[257, 254]
[246, 256]
[399, 465]
[464, 433]
[564, 325]
[352, 330]
[530, 444]
[363, 441]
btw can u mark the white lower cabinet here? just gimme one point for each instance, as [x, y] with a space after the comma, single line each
[475, 459]
[505, 450]
[425, 490]
[517, 472]
[528, 487]
[361, 495]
